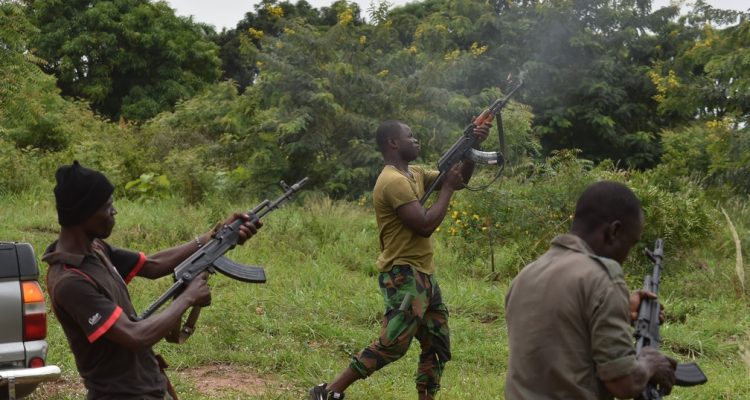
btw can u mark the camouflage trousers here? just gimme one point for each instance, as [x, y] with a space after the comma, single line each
[424, 317]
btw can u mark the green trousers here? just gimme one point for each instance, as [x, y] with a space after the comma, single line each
[413, 308]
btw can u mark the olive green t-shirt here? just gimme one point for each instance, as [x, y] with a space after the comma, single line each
[568, 325]
[400, 245]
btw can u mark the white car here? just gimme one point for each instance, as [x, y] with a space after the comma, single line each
[23, 318]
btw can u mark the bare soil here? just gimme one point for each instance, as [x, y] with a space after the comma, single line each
[212, 381]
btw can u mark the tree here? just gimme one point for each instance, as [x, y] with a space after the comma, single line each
[239, 46]
[708, 77]
[129, 58]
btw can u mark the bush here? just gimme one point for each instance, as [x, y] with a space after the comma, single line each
[523, 213]
[714, 150]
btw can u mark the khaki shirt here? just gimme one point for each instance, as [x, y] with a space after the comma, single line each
[400, 245]
[568, 325]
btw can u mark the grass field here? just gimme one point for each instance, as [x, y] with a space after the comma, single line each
[321, 305]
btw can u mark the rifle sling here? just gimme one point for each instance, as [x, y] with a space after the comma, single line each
[180, 335]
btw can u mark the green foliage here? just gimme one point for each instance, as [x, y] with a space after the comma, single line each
[319, 256]
[707, 77]
[148, 186]
[214, 142]
[28, 98]
[711, 150]
[129, 58]
[20, 166]
[535, 206]
[311, 82]
[15, 28]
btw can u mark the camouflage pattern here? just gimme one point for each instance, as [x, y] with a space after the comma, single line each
[426, 318]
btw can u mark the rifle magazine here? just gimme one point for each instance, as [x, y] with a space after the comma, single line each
[240, 272]
[689, 374]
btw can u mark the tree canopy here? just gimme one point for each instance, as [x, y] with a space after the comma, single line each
[296, 90]
[128, 58]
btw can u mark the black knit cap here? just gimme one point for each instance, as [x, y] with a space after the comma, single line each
[79, 193]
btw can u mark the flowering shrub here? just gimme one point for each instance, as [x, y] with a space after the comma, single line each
[526, 211]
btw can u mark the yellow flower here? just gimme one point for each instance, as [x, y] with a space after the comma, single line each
[477, 50]
[412, 50]
[476, 217]
[454, 215]
[276, 11]
[717, 124]
[452, 55]
[255, 33]
[346, 17]
[383, 73]
[363, 40]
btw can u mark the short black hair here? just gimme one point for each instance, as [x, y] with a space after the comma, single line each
[604, 202]
[387, 129]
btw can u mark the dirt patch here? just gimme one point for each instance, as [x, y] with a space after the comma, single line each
[63, 388]
[213, 380]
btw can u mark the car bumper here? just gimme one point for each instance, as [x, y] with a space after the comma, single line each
[24, 376]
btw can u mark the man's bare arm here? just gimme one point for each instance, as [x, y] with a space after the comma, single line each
[164, 262]
[137, 335]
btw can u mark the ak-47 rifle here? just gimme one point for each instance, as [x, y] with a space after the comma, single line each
[464, 146]
[210, 257]
[647, 328]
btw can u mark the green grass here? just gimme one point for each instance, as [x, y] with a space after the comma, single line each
[321, 304]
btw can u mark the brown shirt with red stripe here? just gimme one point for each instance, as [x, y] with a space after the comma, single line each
[88, 294]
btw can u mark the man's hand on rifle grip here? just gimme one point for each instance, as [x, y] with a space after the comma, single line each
[453, 179]
[198, 293]
[635, 304]
[662, 369]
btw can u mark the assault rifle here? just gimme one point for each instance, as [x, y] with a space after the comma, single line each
[210, 257]
[464, 146]
[647, 328]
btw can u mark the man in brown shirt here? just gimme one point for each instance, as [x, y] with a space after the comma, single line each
[87, 281]
[568, 313]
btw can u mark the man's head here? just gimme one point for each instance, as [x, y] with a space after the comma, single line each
[83, 198]
[609, 218]
[394, 138]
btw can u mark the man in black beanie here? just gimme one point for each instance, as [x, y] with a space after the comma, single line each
[87, 281]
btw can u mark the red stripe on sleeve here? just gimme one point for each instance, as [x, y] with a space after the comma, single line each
[138, 266]
[106, 325]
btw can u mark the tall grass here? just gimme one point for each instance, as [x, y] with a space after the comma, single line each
[321, 303]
